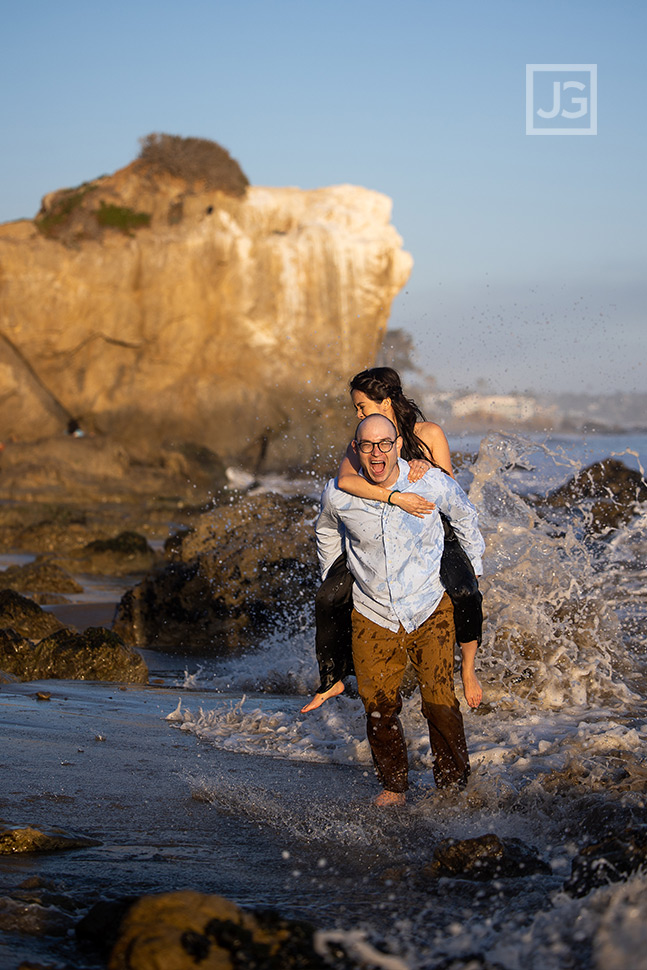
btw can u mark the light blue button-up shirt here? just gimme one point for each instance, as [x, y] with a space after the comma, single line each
[394, 556]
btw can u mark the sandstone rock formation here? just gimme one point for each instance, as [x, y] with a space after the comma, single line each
[146, 306]
[95, 469]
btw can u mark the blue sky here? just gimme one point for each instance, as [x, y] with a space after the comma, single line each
[529, 251]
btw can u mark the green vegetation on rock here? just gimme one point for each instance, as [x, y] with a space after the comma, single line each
[120, 217]
[51, 222]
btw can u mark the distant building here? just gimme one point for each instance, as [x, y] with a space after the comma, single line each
[510, 407]
[489, 410]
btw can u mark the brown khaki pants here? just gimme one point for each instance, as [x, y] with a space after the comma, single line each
[380, 658]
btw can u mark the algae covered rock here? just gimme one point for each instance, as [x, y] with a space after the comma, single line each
[121, 555]
[16, 840]
[39, 577]
[96, 654]
[21, 614]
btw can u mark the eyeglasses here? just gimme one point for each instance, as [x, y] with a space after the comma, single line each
[366, 447]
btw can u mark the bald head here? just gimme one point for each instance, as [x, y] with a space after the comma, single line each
[376, 424]
[377, 446]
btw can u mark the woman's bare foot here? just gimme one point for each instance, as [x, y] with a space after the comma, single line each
[319, 699]
[390, 799]
[471, 686]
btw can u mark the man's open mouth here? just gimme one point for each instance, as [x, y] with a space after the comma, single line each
[378, 465]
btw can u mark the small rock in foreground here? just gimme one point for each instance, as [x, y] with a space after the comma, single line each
[33, 919]
[486, 857]
[182, 930]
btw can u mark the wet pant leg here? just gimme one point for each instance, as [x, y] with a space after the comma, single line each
[380, 658]
[431, 651]
[333, 606]
[459, 579]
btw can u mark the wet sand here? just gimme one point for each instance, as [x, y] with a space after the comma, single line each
[84, 615]
[101, 761]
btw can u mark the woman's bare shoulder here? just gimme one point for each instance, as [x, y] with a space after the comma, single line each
[429, 431]
[433, 437]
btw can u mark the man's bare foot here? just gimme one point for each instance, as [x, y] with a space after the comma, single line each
[319, 699]
[471, 686]
[390, 799]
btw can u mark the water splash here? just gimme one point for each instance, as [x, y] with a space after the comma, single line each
[552, 637]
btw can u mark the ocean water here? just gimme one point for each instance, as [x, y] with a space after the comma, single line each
[557, 751]
[557, 745]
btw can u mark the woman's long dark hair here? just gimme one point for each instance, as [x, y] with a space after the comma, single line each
[381, 382]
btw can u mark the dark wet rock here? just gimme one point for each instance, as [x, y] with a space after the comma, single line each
[245, 569]
[607, 490]
[14, 650]
[99, 928]
[15, 840]
[125, 544]
[611, 860]
[96, 654]
[40, 576]
[189, 929]
[44, 892]
[486, 857]
[123, 555]
[33, 919]
[21, 614]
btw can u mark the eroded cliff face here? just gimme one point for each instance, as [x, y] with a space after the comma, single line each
[147, 309]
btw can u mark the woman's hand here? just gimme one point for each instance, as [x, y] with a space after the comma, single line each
[417, 469]
[412, 503]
